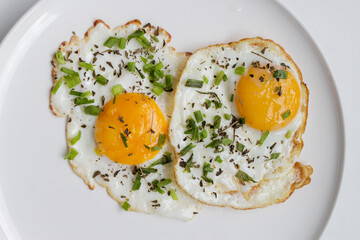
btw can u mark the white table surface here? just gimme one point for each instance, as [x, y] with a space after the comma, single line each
[335, 27]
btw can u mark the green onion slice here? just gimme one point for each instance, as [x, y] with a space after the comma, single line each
[227, 116]
[110, 42]
[117, 89]
[87, 66]
[131, 66]
[240, 147]
[122, 43]
[274, 156]
[57, 86]
[137, 183]
[240, 70]
[219, 77]
[158, 90]
[161, 139]
[126, 206]
[194, 83]
[218, 159]
[286, 114]
[76, 138]
[59, 57]
[101, 79]
[71, 154]
[217, 121]
[288, 134]
[168, 82]
[226, 141]
[213, 144]
[137, 33]
[124, 140]
[263, 137]
[198, 116]
[92, 110]
[186, 149]
[280, 74]
[173, 194]
[243, 176]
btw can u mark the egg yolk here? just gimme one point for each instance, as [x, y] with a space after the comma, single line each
[128, 128]
[267, 103]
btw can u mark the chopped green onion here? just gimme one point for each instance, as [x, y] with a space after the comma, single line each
[122, 43]
[206, 179]
[173, 194]
[186, 149]
[159, 66]
[288, 134]
[124, 140]
[87, 66]
[243, 176]
[67, 71]
[168, 82]
[274, 156]
[131, 66]
[72, 80]
[232, 98]
[207, 168]
[189, 164]
[117, 89]
[280, 74]
[206, 80]
[217, 121]
[194, 83]
[217, 104]
[203, 134]
[85, 94]
[80, 94]
[151, 56]
[147, 67]
[218, 159]
[207, 103]
[166, 158]
[143, 42]
[71, 154]
[161, 139]
[286, 114]
[213, 144]
[198, 116]
[59, 57]
[190, 123]
[125, 206]
[137, 33]
[110, 42]
[101, 79]
[158, 90]
[83, 100]
[240, 70]
[148, 170]
[137, 183]
[263, 137]
[227, 116]
[157, 148]
[219, 77]
[155, 186]
[140, 73]
[164, 182]
[92, 110]
[144, 60]
[240, 147]
[57, 86]
[157, 84]
[226, 141]
[277, 89]
[155, 38]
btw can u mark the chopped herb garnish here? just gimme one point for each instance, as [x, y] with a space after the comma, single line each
[59, 57]
[122, 43]
[207, 103]
[87, 66]
[277, 89]
[157, 148]
[232, 98]
[117, 89]
[186, 149]
[263, 137]
[143, 42]
[173, 194]
[148, 170]
[125, 206]
[137, 33]
[71, 154]
[157, 90]
[217, 121]
[240, 70]
[131, 66]
[213, 144]
[137, 183]
[101, 79]
[161, 139]
[83, 100]
[218, 159]
[280, 74]
[203, 134]
[286, 114]
[212, 94]
[164, 182]
[219, 77]
[67, 71]
[92, 110]
[166, 158]
[206, 169]
[226, 141]
[155, 38]
[198, 116]
[274, 156]
[75, 93]
[206, 179]
[85, 94]
[189, 164]
[157, 84]
[194, 83]
[110, 42]
[206, 80]
[288, 134]
[151, 56]
[168, 82]
[57, 86]
[144, 60]
[240, 147]
[140, 73]
[227, 116]
[72, 79]
[217, 104]
[124, 140]
[243, 176]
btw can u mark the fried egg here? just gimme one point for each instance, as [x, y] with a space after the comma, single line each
[240, 112]
[116, 88]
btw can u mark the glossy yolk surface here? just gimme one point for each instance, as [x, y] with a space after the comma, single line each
[263, 100]
[139, 119]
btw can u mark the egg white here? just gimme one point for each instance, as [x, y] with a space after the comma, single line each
[275, 179]
[117, 178]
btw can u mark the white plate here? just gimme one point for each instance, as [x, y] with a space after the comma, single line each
[40, 196]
